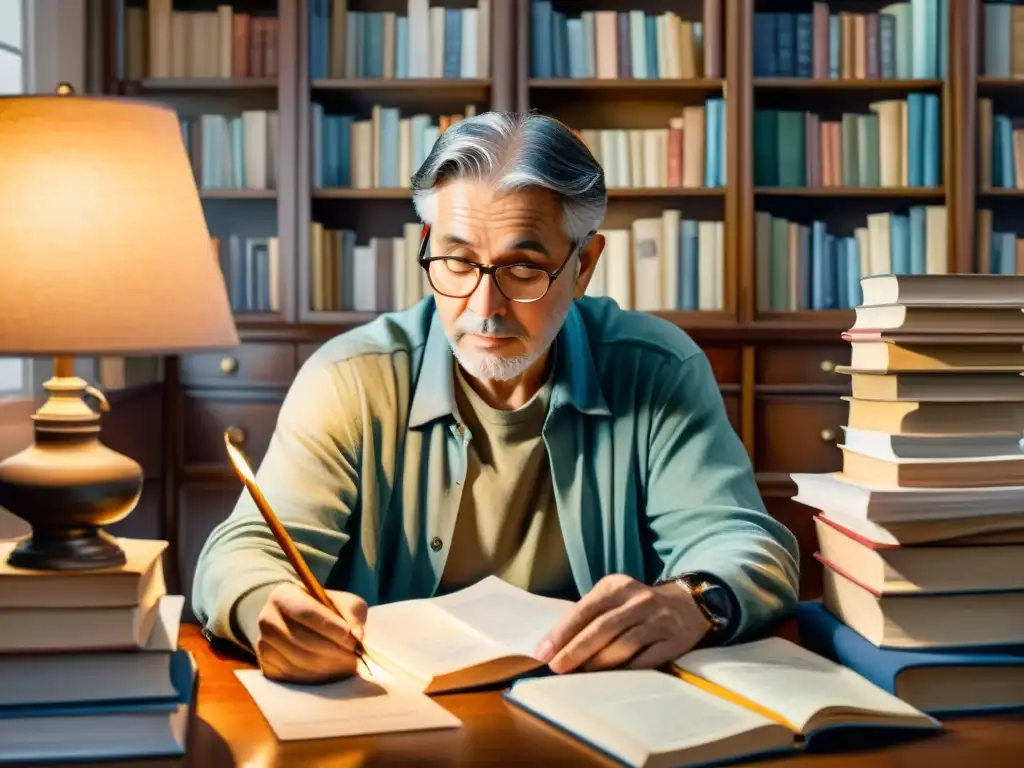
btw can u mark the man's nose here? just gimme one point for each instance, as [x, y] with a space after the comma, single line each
[487, 300]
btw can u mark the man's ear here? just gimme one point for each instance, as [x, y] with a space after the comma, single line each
[586, 263]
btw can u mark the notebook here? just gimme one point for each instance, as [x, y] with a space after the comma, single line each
[753, 699]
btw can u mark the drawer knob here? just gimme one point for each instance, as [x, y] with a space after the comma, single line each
[827, 366]
[228, 365]
[828, 435]
[236, 435]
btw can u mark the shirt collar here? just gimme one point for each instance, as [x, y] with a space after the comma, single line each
[575, 378]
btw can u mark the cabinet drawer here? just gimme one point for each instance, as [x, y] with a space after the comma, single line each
[201, 508]
[206, 418]
[798, 434]
[802, 365]
[250, 365]
[725, 362]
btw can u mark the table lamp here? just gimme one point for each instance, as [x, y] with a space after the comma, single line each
[104, 250]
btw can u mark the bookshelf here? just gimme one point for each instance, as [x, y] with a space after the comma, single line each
[775, 358]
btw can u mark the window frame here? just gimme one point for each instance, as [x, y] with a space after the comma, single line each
[24, 389]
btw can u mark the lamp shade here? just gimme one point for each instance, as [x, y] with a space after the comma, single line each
[104, 248]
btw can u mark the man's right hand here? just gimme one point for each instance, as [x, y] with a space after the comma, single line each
[302, 641]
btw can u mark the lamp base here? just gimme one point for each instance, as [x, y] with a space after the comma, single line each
[67, 485]
[83, 550]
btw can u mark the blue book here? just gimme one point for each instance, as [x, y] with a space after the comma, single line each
[899, 244]
[114, 725]
[402, 47]
[318, 145]
[541, 39]
[765, 62]
[689, 278]
[389, 144]
[785, 43]
[887, 45]
[577, 57]
[918, 241]
[835, 46]
[746, 693]
[651, 45]
[932, 149]
[915, 142]
[998, 30]
[452, 42]
[984, 682]
[373, 45]
[925, 31]
[804, 45]
[1007, 253]
[560, 31]
[853, 275]
[355, 36]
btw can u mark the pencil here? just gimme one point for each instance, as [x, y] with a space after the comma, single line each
[309, 581]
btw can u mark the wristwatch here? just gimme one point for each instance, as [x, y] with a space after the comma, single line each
[713, 599]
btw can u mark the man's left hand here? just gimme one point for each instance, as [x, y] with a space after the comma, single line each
[622, 622]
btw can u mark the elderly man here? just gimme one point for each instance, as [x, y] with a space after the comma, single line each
[505, 426]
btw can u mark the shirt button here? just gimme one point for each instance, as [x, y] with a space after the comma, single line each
[436, 543]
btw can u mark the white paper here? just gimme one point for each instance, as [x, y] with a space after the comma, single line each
[352, 707]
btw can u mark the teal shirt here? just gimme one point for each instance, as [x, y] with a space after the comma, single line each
[366, 464]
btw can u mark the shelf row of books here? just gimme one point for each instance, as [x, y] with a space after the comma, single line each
[659, 263]
[921, 534]
[689, 153]
[233, 152]
[626, 44]
[252, 272]
[428, 41]
[804, 266]
[663, 263]
[1002, 44]
[1001, 143]
[160, 42]
[902, 41]
[897, 144]
[382, 151]
[90, 661]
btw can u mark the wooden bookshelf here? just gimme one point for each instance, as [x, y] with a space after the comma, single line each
[776, 368]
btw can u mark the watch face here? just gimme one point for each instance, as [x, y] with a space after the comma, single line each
[717, 601]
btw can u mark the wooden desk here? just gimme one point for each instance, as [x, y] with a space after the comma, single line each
[230, 731]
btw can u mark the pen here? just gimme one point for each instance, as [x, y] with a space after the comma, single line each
[309, 581]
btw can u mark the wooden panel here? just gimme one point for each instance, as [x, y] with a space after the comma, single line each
[207, 417]
[249, 365]
[732, 407]
[803, 365]
[798, 434]
[800, 521]
[305, 351]
[200, 509]
[134, 426]
[725, 362]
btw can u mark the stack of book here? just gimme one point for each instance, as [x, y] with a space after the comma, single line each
[921, 535]
[90, 662]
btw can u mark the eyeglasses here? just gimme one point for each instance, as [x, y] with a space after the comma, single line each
[457, 278]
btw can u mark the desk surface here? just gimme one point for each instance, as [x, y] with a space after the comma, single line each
[230, 731]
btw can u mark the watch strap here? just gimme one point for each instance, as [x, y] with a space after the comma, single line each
[714, 600]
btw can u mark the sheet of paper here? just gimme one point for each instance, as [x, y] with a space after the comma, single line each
[512, 617]
[353, 707]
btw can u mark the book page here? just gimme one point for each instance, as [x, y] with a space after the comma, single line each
[645, 708]
[790, 680]
[424, 640]
[351, 707]
[511, 617]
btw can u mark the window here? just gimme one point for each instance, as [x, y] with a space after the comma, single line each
[13, 371]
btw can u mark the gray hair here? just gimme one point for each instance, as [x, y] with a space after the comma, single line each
[516, 150]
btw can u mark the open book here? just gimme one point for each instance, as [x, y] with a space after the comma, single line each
[479, 635]
[756, 698]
